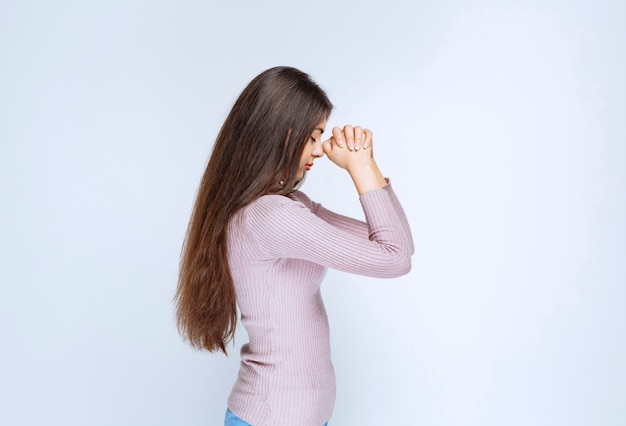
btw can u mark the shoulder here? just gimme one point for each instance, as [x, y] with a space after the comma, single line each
[270, 202]
[301, 197]
[270, 208]
[296, 199]
[270, 218]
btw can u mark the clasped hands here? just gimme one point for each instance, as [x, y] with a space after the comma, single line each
[349, 147]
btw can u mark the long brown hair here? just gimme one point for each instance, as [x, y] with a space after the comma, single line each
[257, 152]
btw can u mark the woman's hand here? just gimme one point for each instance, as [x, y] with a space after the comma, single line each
[348, 147]
[351, 149]
[354, 138]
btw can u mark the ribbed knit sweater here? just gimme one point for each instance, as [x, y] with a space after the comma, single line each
[279, 250]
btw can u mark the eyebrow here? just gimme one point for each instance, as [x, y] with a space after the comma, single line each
[320, 129]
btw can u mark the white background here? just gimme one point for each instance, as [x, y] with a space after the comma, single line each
[501, 125]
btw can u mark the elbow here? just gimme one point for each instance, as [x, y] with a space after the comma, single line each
[401, 266]
[406, 266]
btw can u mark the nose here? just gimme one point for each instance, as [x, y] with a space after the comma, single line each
[317, 150]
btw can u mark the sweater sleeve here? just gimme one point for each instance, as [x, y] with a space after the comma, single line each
[400, 212]
[284, 228]
[349, 224]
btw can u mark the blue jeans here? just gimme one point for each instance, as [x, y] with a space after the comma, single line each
[232, 420]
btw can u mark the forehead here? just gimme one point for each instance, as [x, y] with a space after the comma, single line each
[320, 127]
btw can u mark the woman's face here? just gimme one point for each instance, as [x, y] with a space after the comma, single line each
[312, 150]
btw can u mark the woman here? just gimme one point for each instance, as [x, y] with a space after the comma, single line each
[255, 241]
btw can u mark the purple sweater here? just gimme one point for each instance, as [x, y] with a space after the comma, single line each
[279, 250]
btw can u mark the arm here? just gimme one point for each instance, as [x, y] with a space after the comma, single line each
[400, 212]
[354, 226]
[351, 149]
[287, 229]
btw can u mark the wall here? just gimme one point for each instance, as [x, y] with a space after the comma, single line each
[501, 126]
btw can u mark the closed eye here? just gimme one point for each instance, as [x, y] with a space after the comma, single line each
[313, 139]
